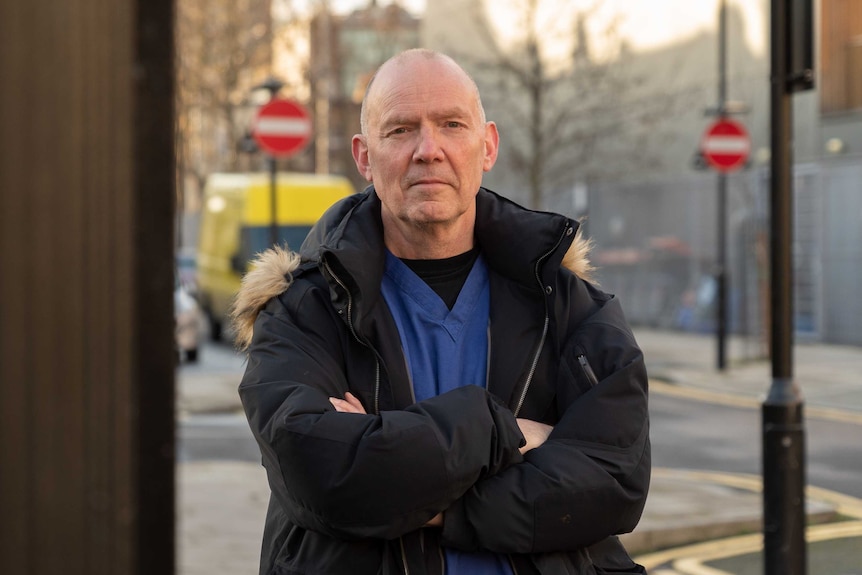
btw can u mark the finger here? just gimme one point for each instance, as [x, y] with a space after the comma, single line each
[340, 405]
[343, 406]
[354, 401]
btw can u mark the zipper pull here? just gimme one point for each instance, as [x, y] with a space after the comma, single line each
[588, 370]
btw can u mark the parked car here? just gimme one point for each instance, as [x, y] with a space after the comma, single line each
[187, 269]
[189, 322]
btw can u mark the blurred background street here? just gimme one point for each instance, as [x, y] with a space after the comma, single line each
[146, 156]
[706, 450]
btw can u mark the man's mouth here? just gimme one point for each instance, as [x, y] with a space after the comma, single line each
[427, 182]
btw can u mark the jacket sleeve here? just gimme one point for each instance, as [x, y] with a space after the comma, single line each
[589, 480]
[355, 475]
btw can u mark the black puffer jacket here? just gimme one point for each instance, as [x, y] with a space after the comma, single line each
[350, 492]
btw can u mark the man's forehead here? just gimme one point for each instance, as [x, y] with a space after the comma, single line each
[439, 91]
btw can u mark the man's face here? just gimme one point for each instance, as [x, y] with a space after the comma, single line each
[426, 145]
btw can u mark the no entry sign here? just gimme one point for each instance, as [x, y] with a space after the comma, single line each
[282, 127]
[726, 145]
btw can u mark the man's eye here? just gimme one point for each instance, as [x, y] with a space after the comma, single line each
[453, 124]
[396, 131]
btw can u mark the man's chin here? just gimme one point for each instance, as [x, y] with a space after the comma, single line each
[442, 216]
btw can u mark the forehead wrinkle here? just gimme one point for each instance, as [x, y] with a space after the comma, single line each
[396, 107]
[410, 116]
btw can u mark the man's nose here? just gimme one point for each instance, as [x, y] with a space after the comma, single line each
[428, 146]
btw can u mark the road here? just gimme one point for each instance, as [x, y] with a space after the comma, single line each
[686, 432]
[710, 436]
[211, 425]
[697, 435]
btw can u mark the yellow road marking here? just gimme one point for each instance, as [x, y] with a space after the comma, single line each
[744, 401]
[746, 545]
[686, 559]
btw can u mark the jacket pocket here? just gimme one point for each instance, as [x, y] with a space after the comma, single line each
[587, 369]
[609, 557]
[562, 563]
[306, 553]
[577, 377]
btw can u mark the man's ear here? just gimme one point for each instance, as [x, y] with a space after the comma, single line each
[492, 146]
[360, 156]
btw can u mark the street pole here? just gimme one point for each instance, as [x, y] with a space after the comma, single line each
[272, 85]
[273, 200]
[782, 412]
[721, 272]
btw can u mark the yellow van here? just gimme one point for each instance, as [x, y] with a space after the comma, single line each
[235, 226]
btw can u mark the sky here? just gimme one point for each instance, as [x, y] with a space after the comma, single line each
[645, 24]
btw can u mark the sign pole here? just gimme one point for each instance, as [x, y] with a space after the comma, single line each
[721, 271]
[282, 128]
[725, 147]
[273, 200]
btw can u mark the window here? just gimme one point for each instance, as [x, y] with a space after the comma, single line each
[841, 55]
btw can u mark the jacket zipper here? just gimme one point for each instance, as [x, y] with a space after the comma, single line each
[521, 399]
[588, 370]
[356, 336]
[535, 364]
[541, 345]
[403, 556]
[488, 358]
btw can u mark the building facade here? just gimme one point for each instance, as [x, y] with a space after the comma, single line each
[345, 52]
[636, 170]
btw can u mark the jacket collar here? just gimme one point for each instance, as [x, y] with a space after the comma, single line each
[513, 239]
[348, 240]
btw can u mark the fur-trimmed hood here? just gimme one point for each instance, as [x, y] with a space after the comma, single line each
[271, 273]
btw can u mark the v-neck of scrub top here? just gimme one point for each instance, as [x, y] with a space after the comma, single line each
[431, 304]
[439, 364]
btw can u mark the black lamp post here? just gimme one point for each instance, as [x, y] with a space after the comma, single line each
[792, 70]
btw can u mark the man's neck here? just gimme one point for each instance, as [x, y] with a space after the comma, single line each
[433, 242]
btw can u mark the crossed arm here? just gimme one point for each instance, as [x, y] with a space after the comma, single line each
[535, 433]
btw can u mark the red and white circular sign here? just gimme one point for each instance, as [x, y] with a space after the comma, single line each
[282, 127]
[725, 145]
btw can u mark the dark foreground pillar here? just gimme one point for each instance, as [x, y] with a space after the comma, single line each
[86, 322]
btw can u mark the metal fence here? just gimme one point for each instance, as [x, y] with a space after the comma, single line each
[656, 248]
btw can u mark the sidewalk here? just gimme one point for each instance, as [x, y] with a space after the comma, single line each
[685, 508]
[829, 376]
[222, 503]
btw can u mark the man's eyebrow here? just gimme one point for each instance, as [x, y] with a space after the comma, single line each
[457, 112]
[392, 119]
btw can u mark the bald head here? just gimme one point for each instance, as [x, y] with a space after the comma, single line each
[425, 145]
[401, 64]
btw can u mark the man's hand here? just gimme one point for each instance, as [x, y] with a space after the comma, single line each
[534, 432]
[350, 404]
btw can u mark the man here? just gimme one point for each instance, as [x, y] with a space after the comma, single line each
[433, 388]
